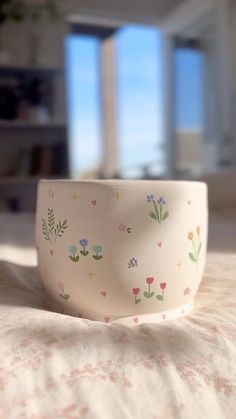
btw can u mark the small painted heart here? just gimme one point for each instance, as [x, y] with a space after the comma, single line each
[94, 202]
[187, 291]
[103, 293]
[159, 244]
[107, 319]
[135, 319]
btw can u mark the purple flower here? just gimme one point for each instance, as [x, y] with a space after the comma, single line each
[161, 201]
[150, 198]
[83, 242]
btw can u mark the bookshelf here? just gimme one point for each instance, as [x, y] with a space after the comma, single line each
[33, 138]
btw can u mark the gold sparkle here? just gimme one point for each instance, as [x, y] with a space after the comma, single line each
[179, 264]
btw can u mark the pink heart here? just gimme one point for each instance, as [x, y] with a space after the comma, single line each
[187, 291]
[107, 319]
[94, 202]
[135, 319]
[103, 293]
[159, 244]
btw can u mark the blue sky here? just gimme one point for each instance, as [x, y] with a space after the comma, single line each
[140, 97]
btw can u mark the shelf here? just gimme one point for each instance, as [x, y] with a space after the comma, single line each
[20, 180]
[19, 71]
[30, 125]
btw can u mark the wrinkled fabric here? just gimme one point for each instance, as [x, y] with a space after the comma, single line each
[57, 366]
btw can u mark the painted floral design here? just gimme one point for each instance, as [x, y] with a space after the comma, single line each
[163, 287]
[97, 249]
[195, 238]
[52, 229]
[84, 244]
[133, 263]
[62, 294]
[148, 293]
[158, 214]
[74, 253]
[136, 292]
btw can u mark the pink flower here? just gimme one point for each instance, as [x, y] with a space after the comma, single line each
[187, 291]
[150, 280]
[60, 285]
[163, 285]
[136, 291]
[122, 227]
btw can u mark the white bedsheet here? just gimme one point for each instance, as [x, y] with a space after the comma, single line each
[56, 366]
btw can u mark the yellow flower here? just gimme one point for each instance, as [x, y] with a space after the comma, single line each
[198, 230]
[190, 235]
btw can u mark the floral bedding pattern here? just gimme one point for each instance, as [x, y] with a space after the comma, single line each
[56, 366]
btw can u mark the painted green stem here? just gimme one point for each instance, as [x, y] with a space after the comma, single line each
[156, 211]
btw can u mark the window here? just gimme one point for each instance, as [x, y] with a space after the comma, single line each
[140, 101]
[84, 105]
[139, 87]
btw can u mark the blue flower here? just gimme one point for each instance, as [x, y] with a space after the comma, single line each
[83, 242]
[73, 250]
[161, 201]
[97, 249]
[150, 198]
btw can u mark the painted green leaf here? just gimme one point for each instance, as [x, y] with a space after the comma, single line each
[74, 258]
[153, 215]
[199, 249]
[165, 215]
[192, 257]
[67, 297]
[160, 297]
[84, 253]
[148, 295]
[62, 296]
[138, 300]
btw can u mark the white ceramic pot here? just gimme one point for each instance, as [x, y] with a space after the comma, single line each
[124, 251]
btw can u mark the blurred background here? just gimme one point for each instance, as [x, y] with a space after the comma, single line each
[115, 89]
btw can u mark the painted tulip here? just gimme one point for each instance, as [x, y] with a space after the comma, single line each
[136, 291]
[150, 280]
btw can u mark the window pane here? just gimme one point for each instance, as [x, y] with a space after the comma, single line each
[140, 100]
[83, 104]
[189, 89]
[189, 112]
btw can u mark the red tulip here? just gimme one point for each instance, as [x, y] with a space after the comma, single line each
[136, 291]
[163, 285]
[150, 280]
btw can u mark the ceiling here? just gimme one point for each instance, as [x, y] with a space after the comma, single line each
[139, 11]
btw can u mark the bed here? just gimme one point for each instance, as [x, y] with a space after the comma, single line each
[57, 366]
